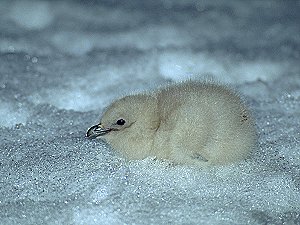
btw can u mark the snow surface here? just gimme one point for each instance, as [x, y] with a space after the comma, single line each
[62, 62]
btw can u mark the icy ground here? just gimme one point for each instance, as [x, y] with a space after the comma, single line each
[62, 62]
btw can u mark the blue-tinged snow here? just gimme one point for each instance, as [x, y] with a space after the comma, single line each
[63, 62]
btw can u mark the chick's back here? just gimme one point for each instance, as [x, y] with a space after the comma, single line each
[202, 124]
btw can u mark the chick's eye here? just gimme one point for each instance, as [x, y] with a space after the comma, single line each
[121, 122]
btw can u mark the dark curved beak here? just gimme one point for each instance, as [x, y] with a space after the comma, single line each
[96, 130]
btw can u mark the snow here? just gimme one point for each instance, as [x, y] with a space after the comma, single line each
[181, 65]
[31, 14]
[11, 114]
[62, 63]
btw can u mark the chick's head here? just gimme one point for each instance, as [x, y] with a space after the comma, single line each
[135, 113]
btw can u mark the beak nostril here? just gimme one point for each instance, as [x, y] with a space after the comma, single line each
[100, 126]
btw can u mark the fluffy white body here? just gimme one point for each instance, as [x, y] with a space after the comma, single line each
[186, 123]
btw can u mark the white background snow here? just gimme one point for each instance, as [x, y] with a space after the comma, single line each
[62, 62]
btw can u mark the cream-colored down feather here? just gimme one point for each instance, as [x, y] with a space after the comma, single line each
[186, 123]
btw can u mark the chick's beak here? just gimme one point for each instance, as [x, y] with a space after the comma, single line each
[97, 130]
